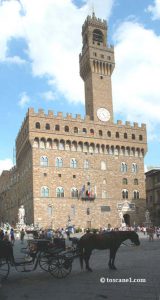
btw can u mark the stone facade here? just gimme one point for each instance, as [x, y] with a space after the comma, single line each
[74, 170]
[153, 195]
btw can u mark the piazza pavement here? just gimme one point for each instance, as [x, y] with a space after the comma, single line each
[133, 264]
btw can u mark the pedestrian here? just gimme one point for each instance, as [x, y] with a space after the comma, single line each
[1, 234]
[6, 236]
[12, 236]
[22, 234]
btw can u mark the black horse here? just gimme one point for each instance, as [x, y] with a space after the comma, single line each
[6, 251]
[107, 240]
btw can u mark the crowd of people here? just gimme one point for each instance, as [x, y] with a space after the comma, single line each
[12, 234]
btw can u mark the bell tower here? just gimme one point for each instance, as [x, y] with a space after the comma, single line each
[96, 67]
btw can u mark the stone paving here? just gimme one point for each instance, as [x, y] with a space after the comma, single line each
[141, 262]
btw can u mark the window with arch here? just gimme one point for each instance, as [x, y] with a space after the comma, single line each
[44, 161]
[74, 193]
[133, 136]
[61, 145]
[134, 168]
[57, 127]
[104, 194]
[104, 181]
[140, 137]
[59, 162]
[86, 164]
[135, 194]
[125, 181]
[124, 194]
[66, 129]
[73, 163]
[37, 125]
[103, 165]
[47, 126]
[108, 133]
[75, 129]
[125, 135]
[135, 181]
[97, 36]
[92, 131]
[44, 191]
[59, 192]
[117, 135]
[100, 133]
[84, 130]
[124, 167]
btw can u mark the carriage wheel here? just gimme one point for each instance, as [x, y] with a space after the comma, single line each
[60, 266]
[4, 269]
[44, 262]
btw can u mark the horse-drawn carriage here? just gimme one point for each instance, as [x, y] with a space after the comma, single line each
[56, 259]
[51, 257]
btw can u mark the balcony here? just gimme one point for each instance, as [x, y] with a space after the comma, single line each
[88, 198]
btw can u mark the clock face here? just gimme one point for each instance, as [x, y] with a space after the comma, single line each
[103, 114]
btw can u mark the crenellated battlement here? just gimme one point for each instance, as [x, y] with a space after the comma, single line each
[86, 119]
[94, 21]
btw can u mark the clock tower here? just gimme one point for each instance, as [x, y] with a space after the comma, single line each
[96, 67]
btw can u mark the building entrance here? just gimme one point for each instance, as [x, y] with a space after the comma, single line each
[127, 219]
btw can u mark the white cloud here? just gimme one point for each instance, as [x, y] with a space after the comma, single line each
[5, 164]
[52, 29]
[154, 10]
[24, 100]
[136, 77]
[48, 96]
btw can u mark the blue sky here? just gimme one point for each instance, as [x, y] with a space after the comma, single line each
[40, 42]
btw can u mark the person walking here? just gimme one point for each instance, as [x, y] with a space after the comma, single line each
[12, 236]
[22, 234]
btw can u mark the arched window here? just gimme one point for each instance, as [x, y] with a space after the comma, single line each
[66, 129]
[47, 126]
[103, 165]
[57, 127]
[97, 36]
[92, 131]
[59, 192]
[125, 181]
[37, 125]
[104, 181]
[75, 129]
[135, 181]
[100, 133]
[108, 133]
[123, 167]
[135, 194]
[44, 191]
[117, 135]
[140, 137]
[133, 136]
[44, 161]
[125, 135]
[61, 145]
[74, 193]
[86, 164]
[73, 163]
[88, 211]
[59, 162]
[134, 168]
[84, 130]
[124, 194]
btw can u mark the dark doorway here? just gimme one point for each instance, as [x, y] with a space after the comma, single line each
[127, 219]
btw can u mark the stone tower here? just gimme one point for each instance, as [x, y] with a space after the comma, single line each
[96, 67]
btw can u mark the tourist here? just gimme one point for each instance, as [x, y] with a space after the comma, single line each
[12, 236]
[22, 234]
